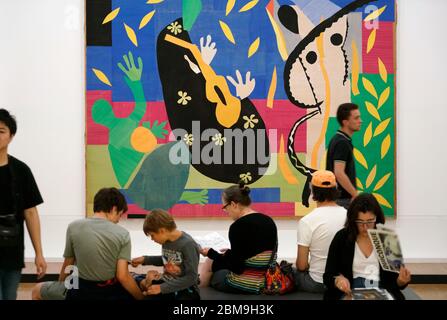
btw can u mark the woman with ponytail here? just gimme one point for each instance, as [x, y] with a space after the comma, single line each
[253, 238]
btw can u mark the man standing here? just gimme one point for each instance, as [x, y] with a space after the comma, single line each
[316, 231]
[19, 196]
[340, 155]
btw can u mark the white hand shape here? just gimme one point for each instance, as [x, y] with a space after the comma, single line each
[243, 90]
[208, 50]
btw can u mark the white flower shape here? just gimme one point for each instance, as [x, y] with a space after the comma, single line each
[188, 138]
[184, 98]
[250, 122]
[246, 177]
[175, 28]
[218, 139]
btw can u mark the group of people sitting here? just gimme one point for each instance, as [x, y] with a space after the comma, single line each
[334, 252]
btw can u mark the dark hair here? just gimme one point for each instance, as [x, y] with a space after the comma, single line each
[324, 194]
[238, 193]
[157, 219]
[344, 111]
[107, 198]
[362, 203]
[8, 120]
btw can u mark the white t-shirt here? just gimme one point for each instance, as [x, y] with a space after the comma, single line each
[316, 231]
[364, 267]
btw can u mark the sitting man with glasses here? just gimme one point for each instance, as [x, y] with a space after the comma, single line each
[352, 262]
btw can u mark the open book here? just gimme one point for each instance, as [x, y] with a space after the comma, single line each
[370, 294]
[212, 240]
[387, 246]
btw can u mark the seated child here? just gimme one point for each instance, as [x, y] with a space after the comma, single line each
[180, 261]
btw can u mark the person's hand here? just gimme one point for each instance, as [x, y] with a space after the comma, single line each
[404, 276]
[342, 284]
[143, 285]
[208, 50]
[132, 72]
[243, 90]
[152, 290]
[41, 266]
[137, 261]
[152, 275]
[204, 252]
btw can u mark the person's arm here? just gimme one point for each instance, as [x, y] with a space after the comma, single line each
[236, 256]
[67, 262]
[153, 261]
[302, 258]
[33, 226]
[304, 239]
[343, 179]
[126, 280]
[333, 277]
[189, 275]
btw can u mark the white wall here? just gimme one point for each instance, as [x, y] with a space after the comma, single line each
[42, 81]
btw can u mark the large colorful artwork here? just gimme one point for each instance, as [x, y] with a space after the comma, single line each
[185, 98]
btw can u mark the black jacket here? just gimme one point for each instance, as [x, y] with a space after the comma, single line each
[339, 261]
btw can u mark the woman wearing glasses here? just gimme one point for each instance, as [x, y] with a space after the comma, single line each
[253, 237]
[352, 262]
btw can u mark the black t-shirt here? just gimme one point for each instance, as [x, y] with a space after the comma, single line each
[28, 196]
[341, 149]
[248, 235]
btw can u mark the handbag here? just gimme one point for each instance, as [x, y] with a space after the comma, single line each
[279, 278]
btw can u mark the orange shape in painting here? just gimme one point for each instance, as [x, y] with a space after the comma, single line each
[143, 140]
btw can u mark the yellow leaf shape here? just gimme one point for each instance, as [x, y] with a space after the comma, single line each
[371, 41]
[283, 167]
[230, 5]
[369, 87]
[359, 184]
[154, 1]
[382, 200]
[227, 31]
[372, 110]
[254, 47]
[112, 15]
[249, 5]
[382, 71]
[368, 135]
[131, 34]
[382, 182]
[280, 42]
[381, 127]
[355, 70]
[360, 158]
[385, 146]
[375, 14]
[146, 19]
[101, 76]
[384, 97]
[272, 89]
[371, 176]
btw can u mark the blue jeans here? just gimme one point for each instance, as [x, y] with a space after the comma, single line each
[9, 283]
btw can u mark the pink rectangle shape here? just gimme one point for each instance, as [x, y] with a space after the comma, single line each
[383, 48]
[286, 209]
[282, 117]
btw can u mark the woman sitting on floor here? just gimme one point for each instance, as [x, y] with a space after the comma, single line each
[253, 237]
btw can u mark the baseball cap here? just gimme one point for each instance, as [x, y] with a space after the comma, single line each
[323, 179]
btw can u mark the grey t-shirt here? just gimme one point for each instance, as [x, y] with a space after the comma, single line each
[97, 245]
[180, 259]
